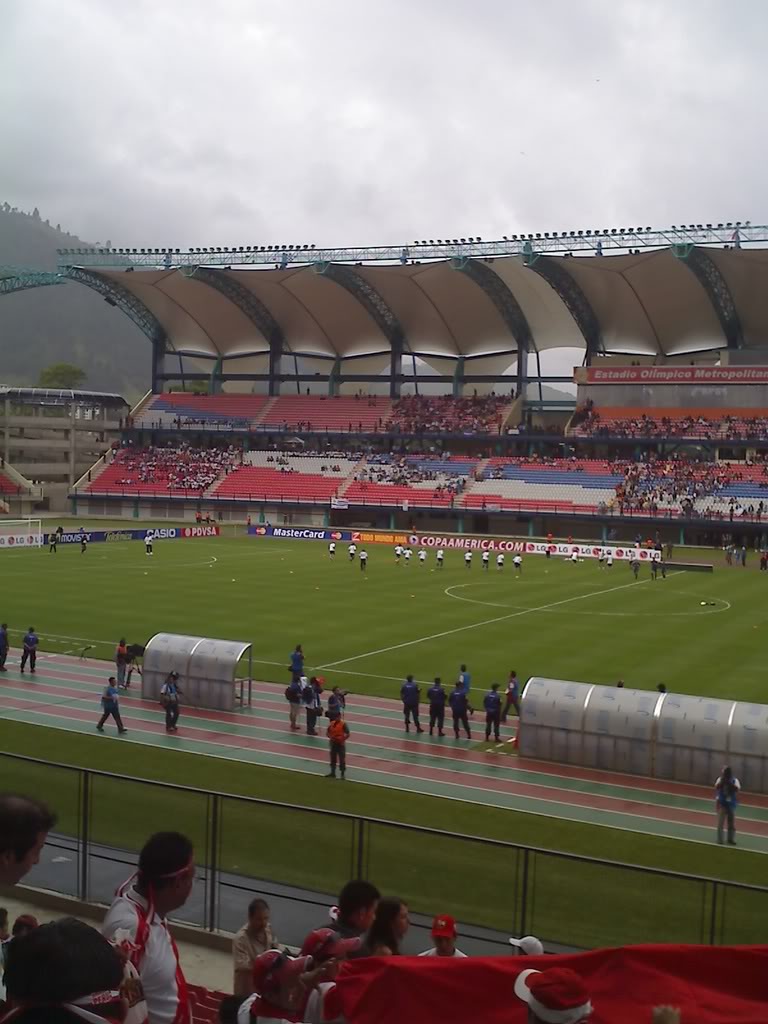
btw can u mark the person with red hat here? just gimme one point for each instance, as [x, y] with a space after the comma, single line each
[554, 996]
[444, 938]
[283, 986]
[325, 944]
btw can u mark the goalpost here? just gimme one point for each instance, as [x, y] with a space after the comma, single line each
[20, 533]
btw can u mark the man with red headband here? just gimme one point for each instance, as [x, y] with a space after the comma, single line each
[286, 990]
[137, 923]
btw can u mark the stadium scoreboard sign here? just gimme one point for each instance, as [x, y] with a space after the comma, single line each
[671, 375]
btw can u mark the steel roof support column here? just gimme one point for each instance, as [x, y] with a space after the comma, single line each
[254, 309]
[503, 298]
[700, 263]
[378, 309]
[115, 294]
[573, 298]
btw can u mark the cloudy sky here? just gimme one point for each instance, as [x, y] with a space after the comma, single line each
[340, 122]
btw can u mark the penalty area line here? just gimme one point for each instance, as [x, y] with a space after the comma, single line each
[487, 622]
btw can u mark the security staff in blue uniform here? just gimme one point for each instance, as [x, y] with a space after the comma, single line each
[437, 697]
[409, 695]
[29, 649]
[459, 706]
[492, 705]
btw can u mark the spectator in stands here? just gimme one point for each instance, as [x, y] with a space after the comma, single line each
[356, 910]
[528, 945]
[254, 938]
[24, 827]
[282, 986]
[62, 973]
[557, 994]
[444, 938]
[23, 925]
[325, 944]
[137, 923]
[389, 928]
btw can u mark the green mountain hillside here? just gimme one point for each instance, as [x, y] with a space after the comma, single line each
[64, 324]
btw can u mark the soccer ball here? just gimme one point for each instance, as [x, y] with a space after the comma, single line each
[703, 603]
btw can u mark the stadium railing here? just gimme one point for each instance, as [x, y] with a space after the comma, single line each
[298, 855]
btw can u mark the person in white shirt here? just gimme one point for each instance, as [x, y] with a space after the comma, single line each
[727, 790]
[517, 561]
[422, 556]
[332, 549]
[468, 559]
[574, 556]
[440, 556]
[408, 554]
[363, 561]
[500, 561]
[486, 559]
[352, 549]
[398, 552]
[609, 560]
[149, 537]
[136, 923]
[601, 557]
[444, 938]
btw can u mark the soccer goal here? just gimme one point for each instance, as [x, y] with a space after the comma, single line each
[20, 533]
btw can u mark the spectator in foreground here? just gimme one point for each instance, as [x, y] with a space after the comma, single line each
[528, 945]
[325, 944]
[62, 973]
[23, 925]
[4, 933]
[444, 938]
[136, 922]
[356, 910]
[557, 994]
[389, 928]
[24, 827]
[282, 987]
[253, 939]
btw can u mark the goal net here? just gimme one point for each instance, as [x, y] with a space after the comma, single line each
[20, 533]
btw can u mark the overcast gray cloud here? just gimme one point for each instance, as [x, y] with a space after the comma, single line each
[341, 122]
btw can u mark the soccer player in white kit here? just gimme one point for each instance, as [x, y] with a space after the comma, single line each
[332, 549]
[468, 559]
[149, 537]
[574, 557]
[422, 556]
[486, 559]
[500, 561]
[352, 549]
[398, 553]
[364, 561]
[408, 554]
[609, 560]
[440, 556]
[517, 561]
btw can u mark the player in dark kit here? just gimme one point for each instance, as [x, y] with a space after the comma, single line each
[53, 540]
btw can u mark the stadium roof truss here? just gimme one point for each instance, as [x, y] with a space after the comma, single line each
[634, 292]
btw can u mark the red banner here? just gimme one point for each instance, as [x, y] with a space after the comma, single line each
[711, 985]
[672, 375]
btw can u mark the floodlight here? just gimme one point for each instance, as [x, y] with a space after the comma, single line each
[546, 234]
[312, 246]
[514, 238]
[464, 239]
[738, 223]
[478, 239]
[729, 224]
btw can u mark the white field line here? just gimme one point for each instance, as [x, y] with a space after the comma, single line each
[486, 622]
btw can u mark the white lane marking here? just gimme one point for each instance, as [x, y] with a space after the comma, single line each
[485, 622]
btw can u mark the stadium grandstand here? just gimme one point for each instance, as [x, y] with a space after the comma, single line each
[382, 384]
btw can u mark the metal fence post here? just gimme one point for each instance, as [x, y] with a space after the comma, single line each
[713, 916]
[213, 863]
[85, 819]
[361, 848]
[523, 930]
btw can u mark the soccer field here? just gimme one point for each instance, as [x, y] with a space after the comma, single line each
[366, 631]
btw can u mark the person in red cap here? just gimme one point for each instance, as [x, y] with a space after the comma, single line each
[444, 938]
[555, 996]
[282, 987]
[325, 944]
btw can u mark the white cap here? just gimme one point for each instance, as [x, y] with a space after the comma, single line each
[529, 945]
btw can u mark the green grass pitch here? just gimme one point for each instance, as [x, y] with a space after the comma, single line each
[367, 631]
